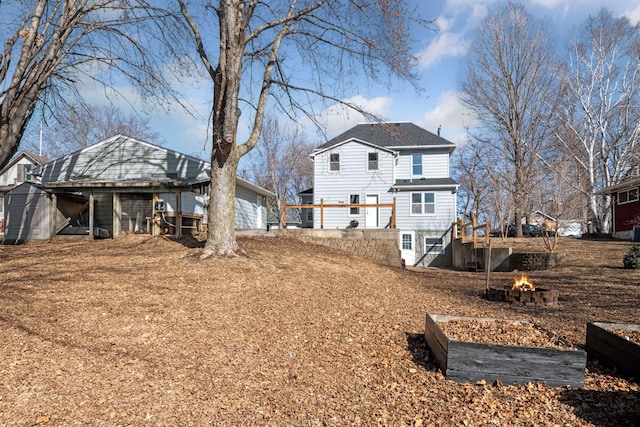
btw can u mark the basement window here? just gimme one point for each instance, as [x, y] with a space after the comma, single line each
[433, 245]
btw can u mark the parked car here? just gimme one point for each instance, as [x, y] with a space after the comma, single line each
[570, 229]
[528, 230]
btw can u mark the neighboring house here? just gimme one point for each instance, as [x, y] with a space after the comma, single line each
[123, 185]
[625, 206]
[377, 163]
[17, 171]
[306, 215]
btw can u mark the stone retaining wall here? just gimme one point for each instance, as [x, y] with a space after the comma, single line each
[380, 245]
[531, 261]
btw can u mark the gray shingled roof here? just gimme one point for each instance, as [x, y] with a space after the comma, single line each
[425, 182]
[396, 135]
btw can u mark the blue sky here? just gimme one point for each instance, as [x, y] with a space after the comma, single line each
[442, 55]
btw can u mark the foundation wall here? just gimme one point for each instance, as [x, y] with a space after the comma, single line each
[380, 245]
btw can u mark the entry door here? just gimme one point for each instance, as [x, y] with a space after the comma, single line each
[407, 247]
[371, 214]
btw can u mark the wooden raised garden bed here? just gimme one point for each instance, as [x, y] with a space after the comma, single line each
[469, 361]
[607, 342]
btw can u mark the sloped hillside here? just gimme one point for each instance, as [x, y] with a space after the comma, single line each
[139, 331]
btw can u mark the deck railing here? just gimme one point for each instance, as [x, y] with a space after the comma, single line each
[460, 229]
[322, 206]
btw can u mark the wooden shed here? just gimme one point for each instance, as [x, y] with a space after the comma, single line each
[124, 185]
[28, 213]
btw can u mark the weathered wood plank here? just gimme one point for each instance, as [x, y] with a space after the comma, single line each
[437, 342]
[613, 349]
[471, 362]
[524, 364]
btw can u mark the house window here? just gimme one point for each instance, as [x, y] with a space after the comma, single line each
[416, 164]
[433, 245]
[334, 161]
[407, 242]
[24, 173]
[372, 163]
[628, 196]
[354, 199]
[423, 203]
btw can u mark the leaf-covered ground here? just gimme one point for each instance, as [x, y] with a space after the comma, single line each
[138, 331]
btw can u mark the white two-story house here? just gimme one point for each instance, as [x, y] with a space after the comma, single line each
[383, 164]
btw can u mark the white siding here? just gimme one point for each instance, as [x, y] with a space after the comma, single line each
[352, 178]
[193, 204]
[445, 215]
[435, 164]
[10, 177]
[247, 209]
[428, 226]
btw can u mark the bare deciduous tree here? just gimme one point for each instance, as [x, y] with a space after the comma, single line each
[471, 173]
[50, 46]
[484, 182]
[599, 122]
[281, 164]
[81, 125]
[508, 84]
[295, 52]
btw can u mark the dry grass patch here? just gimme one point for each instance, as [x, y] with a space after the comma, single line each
[139, 331]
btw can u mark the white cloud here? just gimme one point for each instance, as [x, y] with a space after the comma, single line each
[449, 112]
[446, 44]
[444, 24]
[337, 118]
[465, 16]
[458, 4]
[633, 15]
[549, 4]
[452, 115]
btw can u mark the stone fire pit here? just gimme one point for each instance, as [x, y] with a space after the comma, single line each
[539, 296]
[523, 292]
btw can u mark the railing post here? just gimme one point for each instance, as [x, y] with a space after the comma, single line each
[474, 223]
[486, 233]
[284, 216]
[393, 214]
[321, 213]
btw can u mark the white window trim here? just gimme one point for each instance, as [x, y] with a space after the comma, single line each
[628, 199]
[411, 238]
[442, 248]
[377, 161]
[421, 165]
[354, 215]
[435, 203]
[339, 162]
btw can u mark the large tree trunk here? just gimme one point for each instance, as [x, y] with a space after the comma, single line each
[9, 142]
[221, 236]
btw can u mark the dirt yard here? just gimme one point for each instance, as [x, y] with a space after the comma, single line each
[138, 331]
